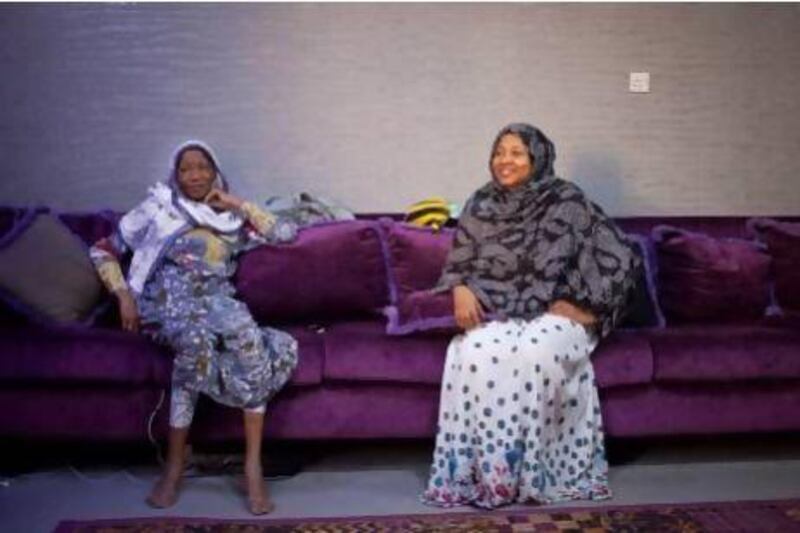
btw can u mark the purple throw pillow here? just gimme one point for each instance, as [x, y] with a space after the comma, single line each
[331, 270]
[415, 256]
[91, 227]
[783, 245]
[704, 279]
[415, 261]
[642, 309]
[424, 310]
[421, 311]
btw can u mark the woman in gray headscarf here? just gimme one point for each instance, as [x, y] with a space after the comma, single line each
[519, 417]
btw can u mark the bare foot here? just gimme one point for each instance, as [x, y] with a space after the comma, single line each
[165, 492]
[257, 494]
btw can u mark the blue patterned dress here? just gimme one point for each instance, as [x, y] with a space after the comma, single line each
[188, 303]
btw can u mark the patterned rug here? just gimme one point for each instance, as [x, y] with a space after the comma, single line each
[781, 516]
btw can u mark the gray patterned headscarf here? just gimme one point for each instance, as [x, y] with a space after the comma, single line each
[521, 249]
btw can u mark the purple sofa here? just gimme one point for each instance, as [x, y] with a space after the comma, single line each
[718, 353]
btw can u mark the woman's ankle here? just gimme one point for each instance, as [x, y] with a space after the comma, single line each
[253, 468]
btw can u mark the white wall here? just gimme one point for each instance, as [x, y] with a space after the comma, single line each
[377, 105]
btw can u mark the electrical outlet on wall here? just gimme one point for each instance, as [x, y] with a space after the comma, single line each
[639, 82]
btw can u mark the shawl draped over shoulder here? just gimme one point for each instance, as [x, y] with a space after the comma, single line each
[151, 226]
[521, 249]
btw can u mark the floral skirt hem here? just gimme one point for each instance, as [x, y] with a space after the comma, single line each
[519, 417]
[598, 491]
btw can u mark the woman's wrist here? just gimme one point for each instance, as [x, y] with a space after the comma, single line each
[122, 293]
[572, 311]
[262, 220]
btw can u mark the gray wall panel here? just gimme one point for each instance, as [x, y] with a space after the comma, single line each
[379, 105]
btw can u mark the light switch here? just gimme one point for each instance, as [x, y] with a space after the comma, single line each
[639, 82]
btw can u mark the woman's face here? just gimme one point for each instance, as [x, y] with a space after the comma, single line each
[195, 174]
[511, 163]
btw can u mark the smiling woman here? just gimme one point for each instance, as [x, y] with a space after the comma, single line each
[511, 162]
[519, 415]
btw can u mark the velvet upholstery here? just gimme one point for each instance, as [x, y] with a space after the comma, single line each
[421, 310]
[623, 358]
[691, 409]
[415, 256]
[311, 350]
[783, 245]
[42, 411]
[355, 382]
[416, 259]
[361, 351]
[79, 355]
[335, 269]
[333, 411]
[643, 309]
[91, 227]
[702, 278]
[727, 227]
[726, 353]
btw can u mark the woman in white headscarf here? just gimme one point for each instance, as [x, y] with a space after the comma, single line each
[184, 237]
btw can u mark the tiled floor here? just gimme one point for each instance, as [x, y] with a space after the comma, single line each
[349, 479]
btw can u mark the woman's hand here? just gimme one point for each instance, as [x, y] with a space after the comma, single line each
[468, 311]
[128, 312]
[222, 201]
[572, 312]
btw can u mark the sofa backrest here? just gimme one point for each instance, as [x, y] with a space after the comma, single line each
[91, 227]
[351, 268]
[331, 271]
[735, 227]
[735, 277]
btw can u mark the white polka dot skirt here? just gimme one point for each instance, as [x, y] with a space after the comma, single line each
[519, 417]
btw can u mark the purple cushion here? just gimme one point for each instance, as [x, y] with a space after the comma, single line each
[361, 351]
[725, 353]
[91, 227]
[82, 414]
[337, 411]
[311, 354]
[783, 244]
[78, 355]
[642, 308]
[701, 409]
[424, 311]
[713, 226]
[415, 257]
[82, 355]
[701, 278]
[421, 311]
[331, 270]
[623, 358]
